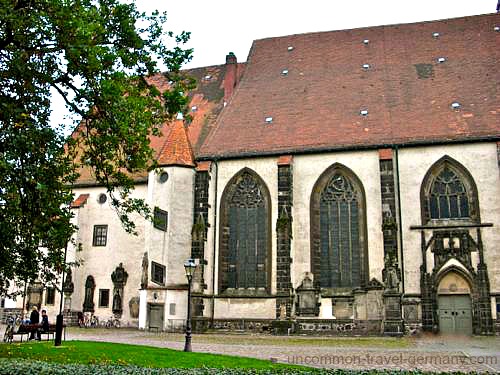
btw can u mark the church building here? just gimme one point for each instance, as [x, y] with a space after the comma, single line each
[340, 183]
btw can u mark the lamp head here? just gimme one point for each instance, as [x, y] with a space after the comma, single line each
[189, 266]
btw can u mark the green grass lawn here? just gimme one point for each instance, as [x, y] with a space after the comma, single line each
[86, 352]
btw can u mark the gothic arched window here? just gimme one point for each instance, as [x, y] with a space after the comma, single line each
[448, 193]
[338, 230]
[245, 235]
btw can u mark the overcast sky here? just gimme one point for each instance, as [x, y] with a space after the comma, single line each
[221, 26]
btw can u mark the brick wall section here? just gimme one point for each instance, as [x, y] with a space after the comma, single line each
[498, 154]
[284, 235]
[389, 226]
[200, 223]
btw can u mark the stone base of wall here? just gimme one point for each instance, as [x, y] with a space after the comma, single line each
[413, 328]
[243, 325]
[330, 327]
[70, 318]
[334, 327]
[394, 328]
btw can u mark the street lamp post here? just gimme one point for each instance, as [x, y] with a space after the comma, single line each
[189, 266]
[60, 317]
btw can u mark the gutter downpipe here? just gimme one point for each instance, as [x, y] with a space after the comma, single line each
[214, 243]
[400, 224]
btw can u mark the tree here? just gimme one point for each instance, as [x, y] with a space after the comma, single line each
[97, 54]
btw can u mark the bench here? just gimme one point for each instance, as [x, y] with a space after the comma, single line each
[27, 329]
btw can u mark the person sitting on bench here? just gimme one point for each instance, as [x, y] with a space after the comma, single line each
[44, 327]
[34, 319]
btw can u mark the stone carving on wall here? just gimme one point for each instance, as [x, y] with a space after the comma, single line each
[456, 244]
[247, 192]
[119, 278]
[391, 273]
[88, 303]
[35, 291]
[68, 286]
[307, 298]
[145, 268]
[133, 306]
[117, 302]
[68, 289]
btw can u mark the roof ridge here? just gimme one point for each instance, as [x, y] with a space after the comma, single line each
[374, 27]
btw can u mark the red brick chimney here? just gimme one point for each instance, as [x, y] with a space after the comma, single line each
[231, 78]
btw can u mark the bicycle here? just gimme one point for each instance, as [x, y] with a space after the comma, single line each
[91, 321]
[13, 323]
[112, 322]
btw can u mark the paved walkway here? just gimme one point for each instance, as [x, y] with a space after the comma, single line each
[430, 353]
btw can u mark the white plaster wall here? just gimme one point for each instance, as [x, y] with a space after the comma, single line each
[101, 261]
[480, 159]
[267, 169]
[208, 275]
[172, 247]
[306, 171]
[245, 308]
[326, 309]
[179, 298]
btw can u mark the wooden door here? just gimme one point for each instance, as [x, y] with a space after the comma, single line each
[455, 314]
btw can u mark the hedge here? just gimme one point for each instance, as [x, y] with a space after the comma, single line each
[27, 367]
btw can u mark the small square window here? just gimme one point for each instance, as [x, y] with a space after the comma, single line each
[160, 220]
[158, 273]
[50, 296]
[100, 235]
[103, 297]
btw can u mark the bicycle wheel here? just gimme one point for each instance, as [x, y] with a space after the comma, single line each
[116, 323]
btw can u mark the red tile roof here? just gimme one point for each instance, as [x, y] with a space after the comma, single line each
[406, 91]
[80, 201]
[176, 150]
[213, 86]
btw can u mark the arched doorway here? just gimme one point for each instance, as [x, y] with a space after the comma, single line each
[454, 304]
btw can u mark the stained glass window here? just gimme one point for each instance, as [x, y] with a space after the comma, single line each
[448, 197]
[247, 229]
[340, 234]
